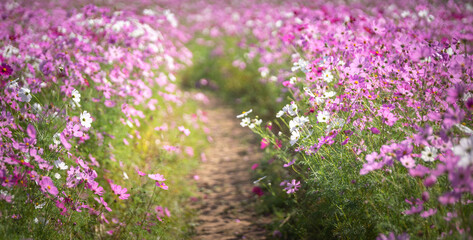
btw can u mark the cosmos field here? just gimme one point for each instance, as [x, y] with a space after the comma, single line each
[362, 111]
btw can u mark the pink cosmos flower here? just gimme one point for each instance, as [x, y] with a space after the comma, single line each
[158, 177]
[102, 201]
[264, 143]
[31, 131]
[120, 191]
[289, 163]
[162, 185]
[408, 162]
[428, 213]
[292, 186]
[184, 130]
[64, 141]
[94, 186]
[140, 172]
[47, 185]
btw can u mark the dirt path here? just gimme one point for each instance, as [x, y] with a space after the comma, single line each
[226, 204]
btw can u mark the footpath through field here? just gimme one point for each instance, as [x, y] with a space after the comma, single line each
[226, 203]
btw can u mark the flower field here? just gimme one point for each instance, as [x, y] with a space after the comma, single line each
[363, 110]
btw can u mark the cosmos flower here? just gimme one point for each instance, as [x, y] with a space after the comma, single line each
[85, 119]
[5, 70]
[24, 94]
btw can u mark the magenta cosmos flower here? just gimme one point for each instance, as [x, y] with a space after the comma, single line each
[5, 70]
[47, 185]
[159, 180]
[120, 191]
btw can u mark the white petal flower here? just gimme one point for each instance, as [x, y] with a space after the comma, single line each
[297, 122]
[85, 119]
[301, 64]
[429, 154]
[465, 151]
[464, 129]
[39, 206]
[36, 108]
[329, 94]
[327, 76]
[450, 51]
[244, 113]
[75, 96]
[293, 80]
[295, 135]
[292, 110]
[24, 94]
[56, 139]
[323, 116]
[57, 176]
[307, 90]
[245, 122]
[13, 84]
[319, 100]
[279, 114]
[60, 164]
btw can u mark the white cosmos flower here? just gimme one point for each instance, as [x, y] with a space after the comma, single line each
[327, 76]
[297, 122]
[290, 109]
[74, 104]
[301, 64]
[307, 90]
[13, 84]
[36, 108]
[429, 154]
[57, 176]
[56, 139]
[323, 116]
[75, 96]
[465, 151]
[85, 119]
[60, 164]
[292, 80]
[464, 129]
[337, 122]
[245, 122]
[75, 101]
[24, 94]
[329, 94]
[244, 113]
[39, 206]
[319, 100]
[450, 51]
[279, 114]
[295, 135]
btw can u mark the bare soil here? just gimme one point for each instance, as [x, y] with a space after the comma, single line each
[226, 204]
